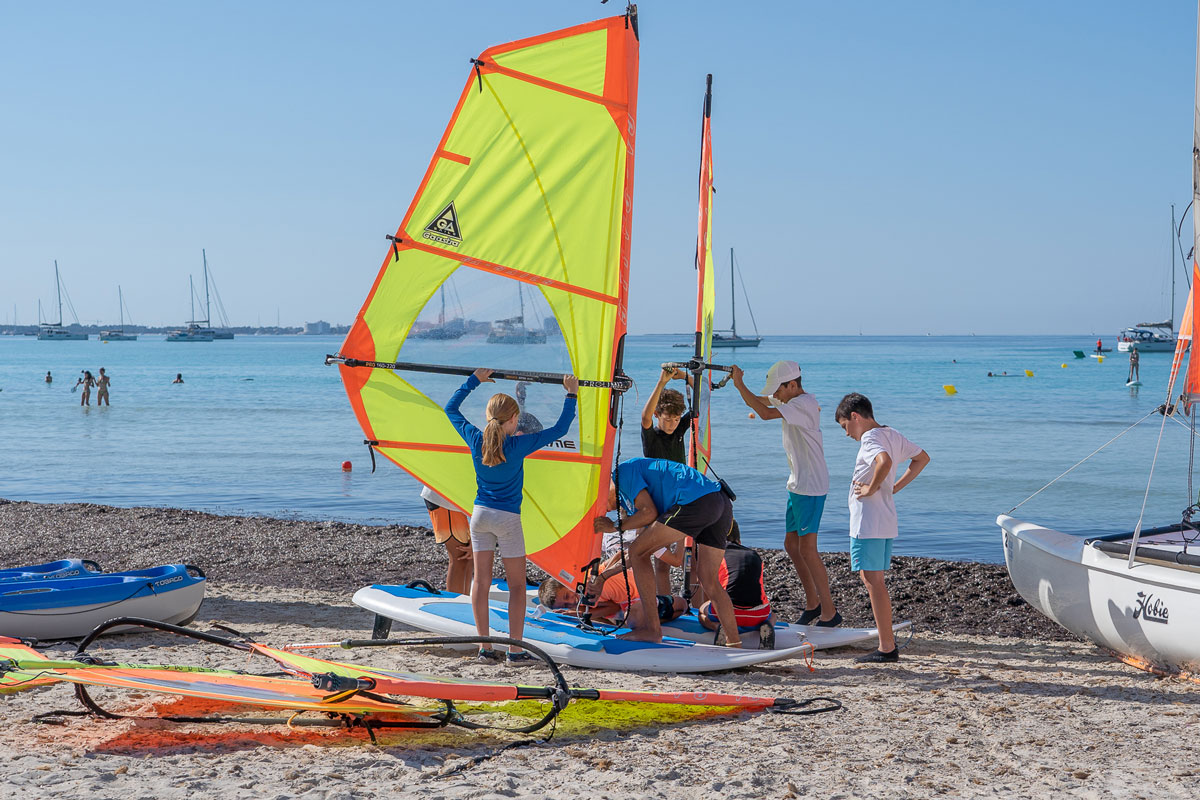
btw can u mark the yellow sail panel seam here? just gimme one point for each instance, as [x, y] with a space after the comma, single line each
[562, 258]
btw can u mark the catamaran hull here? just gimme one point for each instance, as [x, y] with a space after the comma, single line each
[564, 641]
[1148, 612]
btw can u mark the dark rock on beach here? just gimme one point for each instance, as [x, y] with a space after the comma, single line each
[946, 596]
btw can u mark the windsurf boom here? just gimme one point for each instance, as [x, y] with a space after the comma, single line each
[345, 695]
[531, 185]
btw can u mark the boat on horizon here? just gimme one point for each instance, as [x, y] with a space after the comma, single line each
[192, 331]
[56, 331]
[513, 330]
[730, 337]
[118, 334]
[1152, 337]
[444, 330]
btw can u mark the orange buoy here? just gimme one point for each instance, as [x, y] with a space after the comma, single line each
[345, 466]
[751, 415]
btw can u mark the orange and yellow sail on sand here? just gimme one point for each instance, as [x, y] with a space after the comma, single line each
[532, 182]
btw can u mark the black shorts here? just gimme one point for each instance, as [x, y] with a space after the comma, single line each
[706, 519]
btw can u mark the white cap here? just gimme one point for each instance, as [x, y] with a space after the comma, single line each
[780, 373]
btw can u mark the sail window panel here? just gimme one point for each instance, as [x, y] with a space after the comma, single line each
[576, 61]
[403, 290]
[543, 190]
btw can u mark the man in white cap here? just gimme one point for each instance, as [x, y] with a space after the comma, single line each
[784, 398]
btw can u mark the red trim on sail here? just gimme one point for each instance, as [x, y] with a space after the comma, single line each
[500, 269]
[446, 154]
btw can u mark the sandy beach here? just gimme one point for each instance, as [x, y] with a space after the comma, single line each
[969, 711]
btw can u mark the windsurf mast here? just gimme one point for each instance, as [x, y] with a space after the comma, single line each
[1189, 326]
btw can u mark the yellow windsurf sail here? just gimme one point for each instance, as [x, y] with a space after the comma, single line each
[701, 450]
[530, 187]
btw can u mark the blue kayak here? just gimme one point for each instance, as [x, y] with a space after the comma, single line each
[64, 608]
[63, 568]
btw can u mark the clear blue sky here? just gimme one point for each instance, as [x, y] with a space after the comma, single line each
[942, 167]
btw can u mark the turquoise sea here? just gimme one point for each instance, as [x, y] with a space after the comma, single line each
[261, 426]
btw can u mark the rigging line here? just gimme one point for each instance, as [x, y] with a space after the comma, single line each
[1137, 529]
[1191, 453]
[1085, 458]
[1179, 241]
[742, 281]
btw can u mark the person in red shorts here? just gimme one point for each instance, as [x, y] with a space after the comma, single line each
[741, 574]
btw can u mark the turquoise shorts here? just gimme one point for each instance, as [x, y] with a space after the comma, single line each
[804, 513]
[870, 554]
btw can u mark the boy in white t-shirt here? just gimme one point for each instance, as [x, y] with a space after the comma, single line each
[873, 520]
[784, 398]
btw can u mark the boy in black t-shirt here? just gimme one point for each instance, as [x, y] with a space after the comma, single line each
[741, 574]
[667, 408]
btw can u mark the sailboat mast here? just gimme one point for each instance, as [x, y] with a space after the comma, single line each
[732, 299]
[1171, 244]
[207, 310]
[442, 316]
[121, 305]
[192, 300]
[58, 287]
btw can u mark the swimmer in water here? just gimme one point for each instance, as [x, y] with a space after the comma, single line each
[178, 378]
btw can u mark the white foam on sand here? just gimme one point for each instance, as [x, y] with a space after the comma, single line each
[962, 715]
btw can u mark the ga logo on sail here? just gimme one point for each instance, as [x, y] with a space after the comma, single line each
[444, 229]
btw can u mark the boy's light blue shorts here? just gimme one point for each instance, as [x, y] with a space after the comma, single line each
[804, 513]
[870, 554]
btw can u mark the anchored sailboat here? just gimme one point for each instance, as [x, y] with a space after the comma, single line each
[1136, 594]
[55, 331]
[731, 338]
[118, 334]
[194, 332]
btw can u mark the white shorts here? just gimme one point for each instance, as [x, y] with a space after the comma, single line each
[492, 529]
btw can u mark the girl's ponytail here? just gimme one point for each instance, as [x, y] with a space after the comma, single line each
[500, 409]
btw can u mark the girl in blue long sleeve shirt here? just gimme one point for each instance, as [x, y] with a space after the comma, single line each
[498, 454]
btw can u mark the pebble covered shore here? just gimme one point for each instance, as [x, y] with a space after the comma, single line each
[939, 596]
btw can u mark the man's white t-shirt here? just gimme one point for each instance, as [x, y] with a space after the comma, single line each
[874, 517]
[803, 445]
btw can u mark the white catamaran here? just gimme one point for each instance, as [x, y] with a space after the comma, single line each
[1136, 594]
[118, 334]
[55, 331]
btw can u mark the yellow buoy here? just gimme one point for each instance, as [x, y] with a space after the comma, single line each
[1029, 372]
[1064, 366]
[950, 389]
[1100, 359]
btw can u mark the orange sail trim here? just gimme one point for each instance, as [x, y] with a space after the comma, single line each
[500, 269]
[1183, 340]
[1191, 384]
[551, 85]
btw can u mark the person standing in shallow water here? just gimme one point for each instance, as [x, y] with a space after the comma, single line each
[178, 378]
[48, 378]
[87, 381]
[102, 389]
